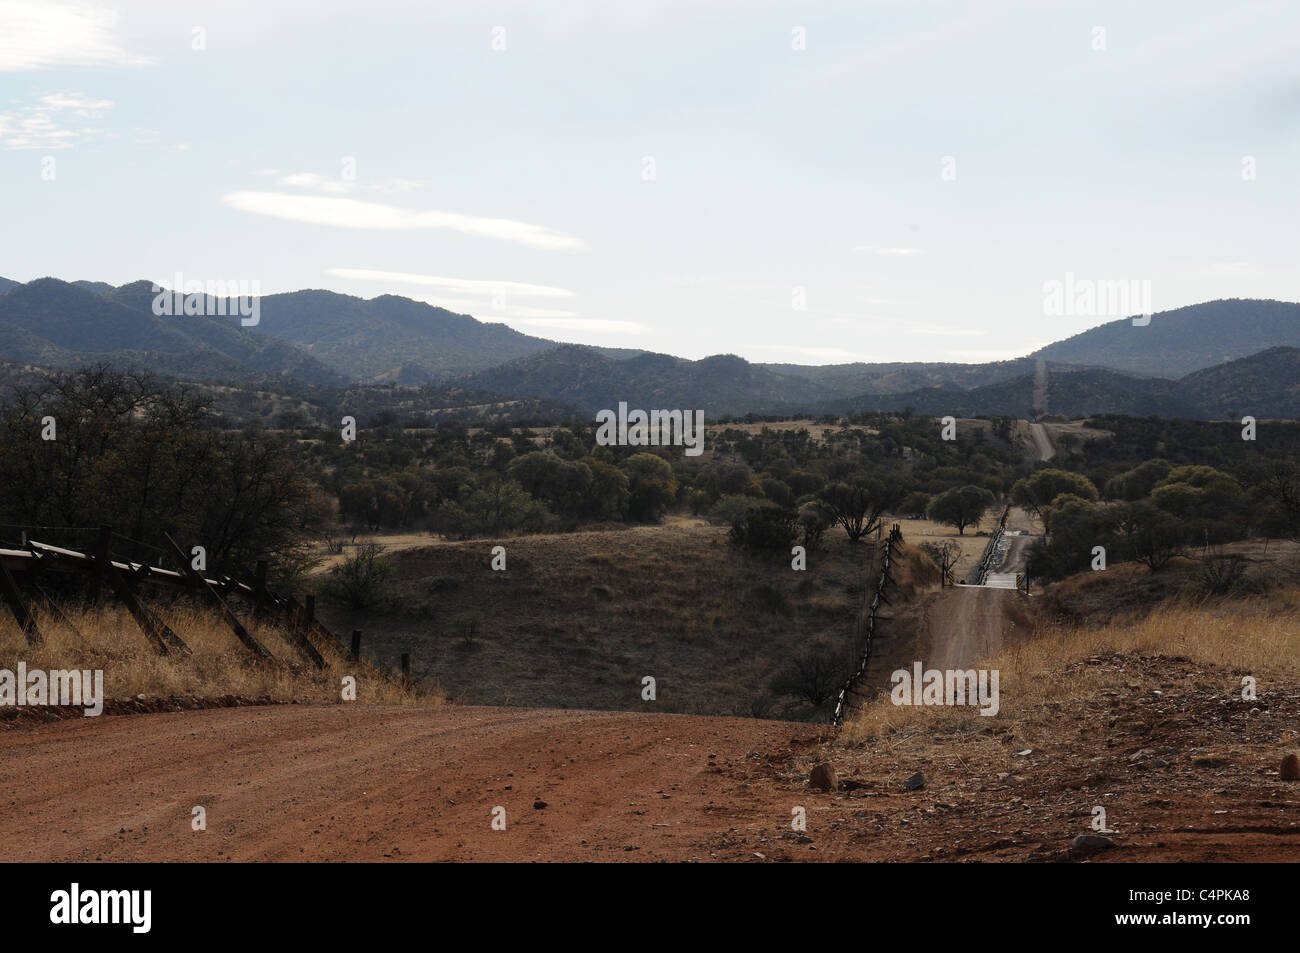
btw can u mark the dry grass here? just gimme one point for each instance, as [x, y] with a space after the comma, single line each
[577, 620]
[107, 638]
[1256, 637]
[972, 546]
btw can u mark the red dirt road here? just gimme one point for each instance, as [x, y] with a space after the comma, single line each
[366, 783]
[373, 783]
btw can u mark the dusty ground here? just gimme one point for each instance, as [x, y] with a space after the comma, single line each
[373, 783]
[964, 625]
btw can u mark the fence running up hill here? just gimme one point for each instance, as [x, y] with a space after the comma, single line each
[124, 578]
[986, 565]
[869, 627]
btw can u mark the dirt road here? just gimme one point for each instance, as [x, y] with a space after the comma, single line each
[1042, 442]
[967, 623]
[366, 783]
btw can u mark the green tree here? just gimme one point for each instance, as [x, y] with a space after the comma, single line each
[1036, 492]
[652, 486]
[857, 505]
[961, 506]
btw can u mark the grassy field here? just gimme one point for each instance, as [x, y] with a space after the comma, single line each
[579, 620]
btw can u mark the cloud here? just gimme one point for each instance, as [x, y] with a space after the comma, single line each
[941, 330]
[49, 122]
[468, 285]
[827, 354]
[891, 252]
[354, 213]
[572, 324]
[340, 186]
[982, 357]
[39, 34]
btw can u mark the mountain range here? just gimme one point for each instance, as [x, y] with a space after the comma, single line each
[1207, 360]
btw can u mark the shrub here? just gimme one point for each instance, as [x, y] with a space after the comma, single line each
[361, 580]
[467, 624]
[766, 529]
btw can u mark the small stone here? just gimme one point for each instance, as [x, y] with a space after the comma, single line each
[823, 777]
[539, 804]
[1291, 768]
[1025, 752]
[915, 782]
[1088, 844]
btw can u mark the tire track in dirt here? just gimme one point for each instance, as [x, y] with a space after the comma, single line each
[335, 783]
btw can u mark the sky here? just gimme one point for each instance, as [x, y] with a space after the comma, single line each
[791, 182]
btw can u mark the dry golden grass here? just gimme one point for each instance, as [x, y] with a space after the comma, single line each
[972, 546]
[1257, 637]
[107, 638]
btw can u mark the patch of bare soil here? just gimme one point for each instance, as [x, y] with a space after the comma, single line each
[1183, 774]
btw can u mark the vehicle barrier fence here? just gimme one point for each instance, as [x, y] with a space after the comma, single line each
[869, 626]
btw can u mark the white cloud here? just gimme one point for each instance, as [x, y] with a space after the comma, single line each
[941, 330]
[981, 357]
[339, 186]
[469, 285]
[572, 324]
[353, 213]
[826, 355]
[39, 34]
[49, 123]
[321, 183]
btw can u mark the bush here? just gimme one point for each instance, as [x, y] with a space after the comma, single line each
[1223, 576]
[467, 624]
[766, 529]
[361, 580]
[814, 675]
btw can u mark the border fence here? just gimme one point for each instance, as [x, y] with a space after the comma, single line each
[124, 577]
[991, 550]
[869, 627]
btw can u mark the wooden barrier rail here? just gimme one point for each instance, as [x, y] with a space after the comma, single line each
[124, 578]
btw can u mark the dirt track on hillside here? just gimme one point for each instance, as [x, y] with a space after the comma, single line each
[966, 624]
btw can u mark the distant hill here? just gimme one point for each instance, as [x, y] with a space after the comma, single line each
[377, 338]
[60, 324]
[1207, 360]
[1262, 385]
[1074, 393]
[851, 380]
[1188, 339]
[590, 381]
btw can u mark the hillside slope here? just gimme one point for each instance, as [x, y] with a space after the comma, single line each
[1183, 340]
[62, 324]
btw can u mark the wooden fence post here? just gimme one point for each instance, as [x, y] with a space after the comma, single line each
[259, 589]
[406, 667]
[356, 645]
[102, 545]
[19, 608]
[199, 582]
